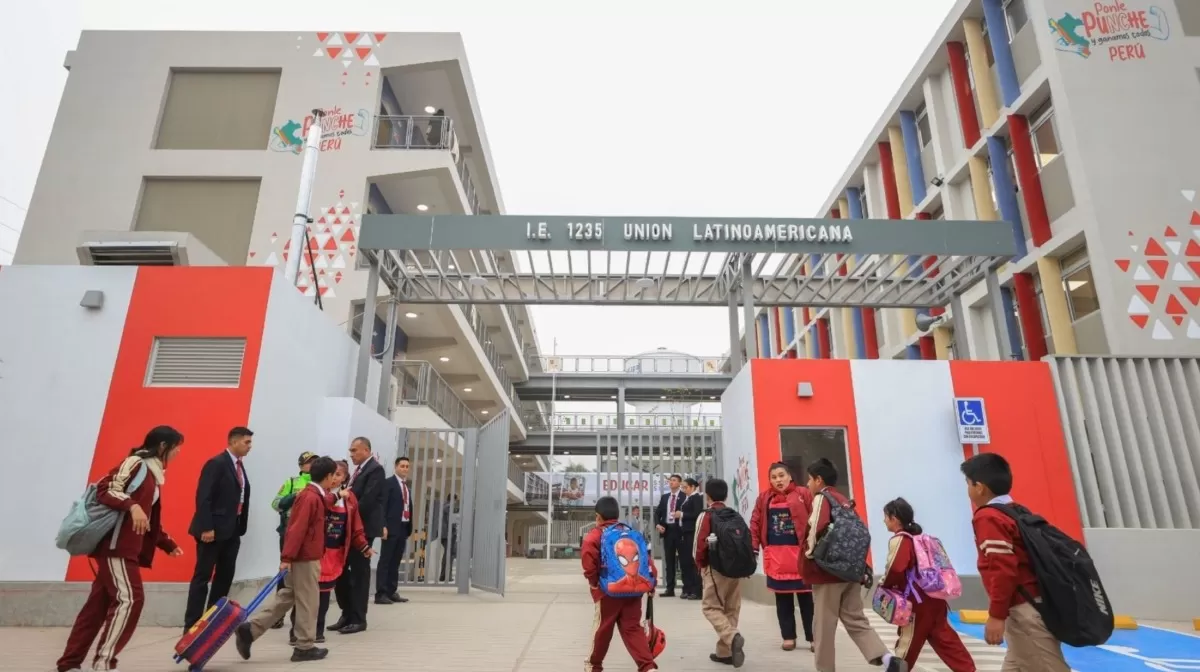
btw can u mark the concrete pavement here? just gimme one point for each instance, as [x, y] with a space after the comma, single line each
[543, 624]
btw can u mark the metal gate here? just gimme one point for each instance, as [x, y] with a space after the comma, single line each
[487, 468]
[634, 466]
[437, 481]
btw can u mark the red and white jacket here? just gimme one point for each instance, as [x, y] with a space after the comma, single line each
[1003, 562]
[112, 492]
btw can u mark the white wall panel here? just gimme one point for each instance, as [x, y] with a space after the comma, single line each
[56, 365]
[909, 448]
[739, 462]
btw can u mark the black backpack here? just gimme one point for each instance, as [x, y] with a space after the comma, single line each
[732, 555]
[1073, 604]
[843, 547]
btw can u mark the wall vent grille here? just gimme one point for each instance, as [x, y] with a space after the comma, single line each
[196, 362]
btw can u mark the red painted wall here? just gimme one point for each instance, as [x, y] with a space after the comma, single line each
[776, 405]
[1026, 429]
[180, 301]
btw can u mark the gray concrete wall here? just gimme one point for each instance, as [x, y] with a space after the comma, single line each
[1126, 122]
[1148, 574]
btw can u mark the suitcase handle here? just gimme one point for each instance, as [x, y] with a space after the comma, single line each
[265, 592]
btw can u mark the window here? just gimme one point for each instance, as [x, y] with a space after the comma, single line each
[1078, 284]
[862, 204]
[987, 43]
[225, 109]
[1044, 135]
[1015, 17]
[801, 446]
[219, 212]
[924, 132]
[992, 187]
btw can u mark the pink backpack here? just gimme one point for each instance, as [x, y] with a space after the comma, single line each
[934, 573]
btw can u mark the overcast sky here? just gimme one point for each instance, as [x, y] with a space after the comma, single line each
[692, 108]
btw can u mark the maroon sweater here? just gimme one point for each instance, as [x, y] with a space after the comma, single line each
[304, 540]
[112, 492]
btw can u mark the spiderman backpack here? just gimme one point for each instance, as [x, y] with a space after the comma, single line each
[624, 562]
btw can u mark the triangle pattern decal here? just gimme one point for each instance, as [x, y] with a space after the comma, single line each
[1140, 320]
[1189, 194]
[1161, 333]
[1137, 306]
[1141, 274]
[1181, 274]
[1193, 330]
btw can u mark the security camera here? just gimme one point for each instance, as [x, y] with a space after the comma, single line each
[926, 322]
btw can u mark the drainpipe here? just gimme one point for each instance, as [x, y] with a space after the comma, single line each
[308, 174]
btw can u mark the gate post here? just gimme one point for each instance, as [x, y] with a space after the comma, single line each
[466, 528]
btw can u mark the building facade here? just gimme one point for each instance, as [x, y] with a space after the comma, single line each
[1073, 121]
[185, 148]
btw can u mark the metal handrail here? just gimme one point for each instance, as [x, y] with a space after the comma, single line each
[537, 421]
[412, 131]
[646, 364]
[516, 474]
[419, 384]
[479, 327]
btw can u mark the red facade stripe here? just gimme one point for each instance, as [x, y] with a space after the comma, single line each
[891, 196]
[195, 301]
[1029, 179]
[1030, 316]
[964, 99]
[1025, 427]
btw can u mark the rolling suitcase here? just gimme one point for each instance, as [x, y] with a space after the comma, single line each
[202, 641]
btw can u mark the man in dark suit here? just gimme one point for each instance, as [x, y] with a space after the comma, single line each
[693, 505]
[353, 589]
[397, 528]
[222, 513]
[667, 519]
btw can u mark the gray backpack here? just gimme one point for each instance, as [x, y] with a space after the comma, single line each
[88, 520]
[842, 549]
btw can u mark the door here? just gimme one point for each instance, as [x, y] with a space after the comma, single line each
[436, 481]
[801, 446]
[489, 505]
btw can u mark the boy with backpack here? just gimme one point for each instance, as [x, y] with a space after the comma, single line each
[724, 556]
[836, 542]
[1042, 586]
[917, 582]
[619, 571]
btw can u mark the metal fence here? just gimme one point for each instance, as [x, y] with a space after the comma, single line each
[515, 473]
[1133, 438]
[419, 384]
[408, 131]
[642, 364]
[489, 502]
[437, 485]
[480, 328]
[540, 421]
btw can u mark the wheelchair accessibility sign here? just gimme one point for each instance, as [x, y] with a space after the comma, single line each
[972, 420]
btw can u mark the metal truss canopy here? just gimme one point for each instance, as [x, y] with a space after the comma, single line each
[673, 261]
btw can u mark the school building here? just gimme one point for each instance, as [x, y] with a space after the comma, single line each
[1075, 122]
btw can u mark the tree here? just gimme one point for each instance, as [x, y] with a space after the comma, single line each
[575, 468]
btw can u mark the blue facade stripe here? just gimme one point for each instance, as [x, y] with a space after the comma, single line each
[788, 315]
[912, 156]
[764, 336]
[1006, 192]
[1010, 323]
[854, 202]
[912, 352]
[1006, 70]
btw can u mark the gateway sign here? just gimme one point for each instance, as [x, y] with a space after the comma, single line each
[654, 231]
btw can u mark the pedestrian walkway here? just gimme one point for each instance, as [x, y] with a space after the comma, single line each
[988, 658]
[543, 624]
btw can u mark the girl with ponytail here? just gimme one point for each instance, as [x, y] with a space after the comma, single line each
[930, 621]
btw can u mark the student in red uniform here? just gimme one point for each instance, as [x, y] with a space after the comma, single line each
[929, 621]
[115, 604]
[835, 599]
[1006, 573]
[722, 599]
[622, 613]
[780, 510]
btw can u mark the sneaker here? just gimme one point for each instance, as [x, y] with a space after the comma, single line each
[305, 655]
[243, 640]
[724, 660]
[897, 664]
[739, 657]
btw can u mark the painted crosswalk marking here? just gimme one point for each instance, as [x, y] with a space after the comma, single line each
[988, 658]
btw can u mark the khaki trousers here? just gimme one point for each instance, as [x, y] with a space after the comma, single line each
[721, 605]
[833, 602]
[1031, 647]
[300, 590]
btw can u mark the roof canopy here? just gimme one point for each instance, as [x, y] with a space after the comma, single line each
[682, 261]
